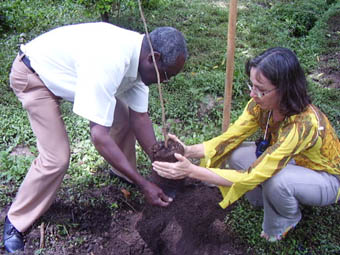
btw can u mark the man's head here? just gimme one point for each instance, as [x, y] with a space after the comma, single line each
[170, 54]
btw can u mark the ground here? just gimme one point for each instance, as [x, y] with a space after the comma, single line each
[328, 73]
[192, 224]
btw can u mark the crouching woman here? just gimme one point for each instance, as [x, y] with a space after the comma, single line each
[296, 161]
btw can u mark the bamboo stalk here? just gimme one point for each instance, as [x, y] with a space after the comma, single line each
[230, 64]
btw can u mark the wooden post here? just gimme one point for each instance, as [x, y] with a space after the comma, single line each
[230, 64]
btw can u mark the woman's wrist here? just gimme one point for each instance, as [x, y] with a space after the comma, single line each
[192, 171]
[187, 151]
[194, 151]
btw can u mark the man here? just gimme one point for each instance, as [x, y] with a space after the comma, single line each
[104, 70]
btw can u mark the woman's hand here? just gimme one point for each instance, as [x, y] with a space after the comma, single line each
[175, 138]
[178, 170]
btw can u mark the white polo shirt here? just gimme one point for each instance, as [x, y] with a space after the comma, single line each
[91, 64]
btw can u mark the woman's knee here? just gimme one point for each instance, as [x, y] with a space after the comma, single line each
[242, 157]
[277, 189]
[273, 185]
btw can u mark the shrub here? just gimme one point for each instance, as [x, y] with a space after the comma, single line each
[107, 8]
[300, 15]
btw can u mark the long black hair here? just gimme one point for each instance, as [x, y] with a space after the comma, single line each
[282, 68]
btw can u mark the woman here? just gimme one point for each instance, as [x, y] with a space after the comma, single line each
[296, 162]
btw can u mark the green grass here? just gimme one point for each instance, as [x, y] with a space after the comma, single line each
[299, 25]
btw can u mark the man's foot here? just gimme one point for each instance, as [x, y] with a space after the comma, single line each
[13, 239]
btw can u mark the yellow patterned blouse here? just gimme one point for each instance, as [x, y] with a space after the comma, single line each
[308, 138]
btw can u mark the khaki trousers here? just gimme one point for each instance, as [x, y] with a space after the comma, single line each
[38, 189]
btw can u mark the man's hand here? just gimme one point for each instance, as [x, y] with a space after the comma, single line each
[155, 196]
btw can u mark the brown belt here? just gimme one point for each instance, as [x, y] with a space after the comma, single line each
[26, 61]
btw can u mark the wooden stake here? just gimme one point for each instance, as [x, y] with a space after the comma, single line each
[230, 64]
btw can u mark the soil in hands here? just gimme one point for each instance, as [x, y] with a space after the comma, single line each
[166, 153]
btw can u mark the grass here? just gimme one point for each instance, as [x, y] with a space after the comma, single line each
[194, 99]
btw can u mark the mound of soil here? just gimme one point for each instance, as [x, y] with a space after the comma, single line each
[193, 224]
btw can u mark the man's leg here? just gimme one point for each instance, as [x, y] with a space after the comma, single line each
[123, 135]
[45, 175]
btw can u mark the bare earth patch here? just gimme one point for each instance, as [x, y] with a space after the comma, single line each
[192, 224]
[328, 72]
[21, 150]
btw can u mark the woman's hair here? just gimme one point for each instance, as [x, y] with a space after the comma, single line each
[169, 42]
[282, 68]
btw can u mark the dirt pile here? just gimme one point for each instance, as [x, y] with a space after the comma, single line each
[192, 224]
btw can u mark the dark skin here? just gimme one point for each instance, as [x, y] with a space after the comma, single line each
[142, 127]
[147, 71]
[107, 147]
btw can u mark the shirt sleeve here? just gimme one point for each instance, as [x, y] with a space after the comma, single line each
[217, 149]
[137, 97]
[294, 138]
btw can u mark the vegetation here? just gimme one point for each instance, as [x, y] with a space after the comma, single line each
[194, 99]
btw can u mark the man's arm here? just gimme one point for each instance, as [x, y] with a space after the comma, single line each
[107, 148]
[143, 129]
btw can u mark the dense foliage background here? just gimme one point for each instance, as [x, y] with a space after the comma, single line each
[194, 98]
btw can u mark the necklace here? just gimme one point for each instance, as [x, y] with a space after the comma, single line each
[262, 144]
[267, 125]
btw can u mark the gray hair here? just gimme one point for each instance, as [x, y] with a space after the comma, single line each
[169, 42]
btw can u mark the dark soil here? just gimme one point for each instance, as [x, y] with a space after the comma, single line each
[166, 153]
[193, 224]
